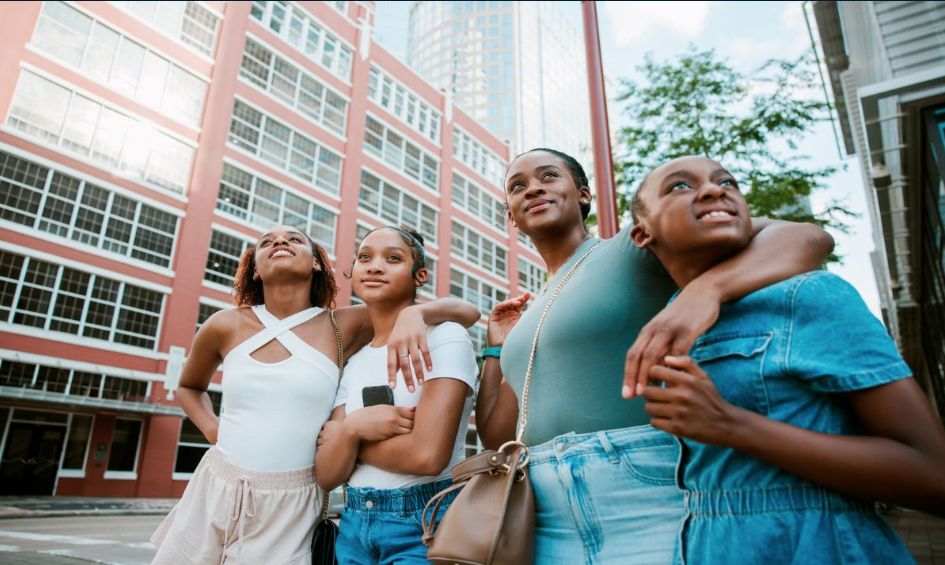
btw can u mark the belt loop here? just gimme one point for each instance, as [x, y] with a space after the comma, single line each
[608, 448]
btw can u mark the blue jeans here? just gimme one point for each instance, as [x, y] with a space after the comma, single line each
[607, 497]
[384, 526]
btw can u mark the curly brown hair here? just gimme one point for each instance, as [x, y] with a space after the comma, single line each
[249, 292]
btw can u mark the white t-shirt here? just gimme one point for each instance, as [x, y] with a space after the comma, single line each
[453, 357]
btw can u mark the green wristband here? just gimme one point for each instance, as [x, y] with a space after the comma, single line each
[492, 352]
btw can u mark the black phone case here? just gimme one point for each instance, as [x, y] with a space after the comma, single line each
[374, 395]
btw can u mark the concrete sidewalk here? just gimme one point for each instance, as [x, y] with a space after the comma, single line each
[49, 506]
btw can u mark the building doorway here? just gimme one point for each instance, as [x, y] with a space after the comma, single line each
[31, 455]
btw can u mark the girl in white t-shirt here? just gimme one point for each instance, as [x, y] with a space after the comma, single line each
[389, 481]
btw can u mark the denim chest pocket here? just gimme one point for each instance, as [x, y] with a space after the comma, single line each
[735, 362]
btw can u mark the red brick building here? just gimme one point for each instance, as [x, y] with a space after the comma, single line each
[143, 146]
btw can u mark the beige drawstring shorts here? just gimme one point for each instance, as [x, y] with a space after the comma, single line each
[229, 514]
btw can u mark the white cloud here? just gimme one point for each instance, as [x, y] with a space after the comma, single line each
[791, 39]
[630, 21]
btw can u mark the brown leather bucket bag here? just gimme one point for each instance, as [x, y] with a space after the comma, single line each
[492, 521]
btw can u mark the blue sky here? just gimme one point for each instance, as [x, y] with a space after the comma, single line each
[747, 34]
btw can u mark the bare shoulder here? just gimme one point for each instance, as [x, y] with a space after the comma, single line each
[228, 319]
[227, 325]
[356, 328]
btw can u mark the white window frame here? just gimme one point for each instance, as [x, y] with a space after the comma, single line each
[461, 251]
[177, 37]
[248, 239]
[401, 167]
[484, 193]
[329, 246]
[486, 156]
[76, 473]
[482, 280]
[55, 169]
[294, 107]
[59, 148]
[257, 154]
[528, 275]
[378, 74]
[432, 241]
[308, 19]
[62, 263]
[96, 19]
[125, 475]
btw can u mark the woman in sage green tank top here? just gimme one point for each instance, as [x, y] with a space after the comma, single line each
[604, 479]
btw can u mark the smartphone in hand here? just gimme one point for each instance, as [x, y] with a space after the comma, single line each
[374, 395]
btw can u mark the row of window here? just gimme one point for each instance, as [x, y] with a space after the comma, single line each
[477, 200]
[476, 291]
[57, 298]
[531, 277]
[285, 148]
[53, 202]
[477, 157]
[393, 96]
[71, 382]
[263, 204]
[339, 5]
[476, 249]
[187, 22]
[301, 31]
[295, 87]
[111, 58]
[224, 257]
[109, 138]
[526, 242]
[396, 207]
[401, 154]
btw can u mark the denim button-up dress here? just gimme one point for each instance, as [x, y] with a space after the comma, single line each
[785, 352]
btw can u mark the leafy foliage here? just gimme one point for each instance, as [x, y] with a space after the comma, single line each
[699, 105]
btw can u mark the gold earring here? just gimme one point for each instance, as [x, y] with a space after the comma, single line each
[255, 275]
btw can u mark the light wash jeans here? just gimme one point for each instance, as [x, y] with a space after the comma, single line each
[384, 526]
[608, 497]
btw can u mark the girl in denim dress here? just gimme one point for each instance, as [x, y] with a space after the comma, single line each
[795, 410]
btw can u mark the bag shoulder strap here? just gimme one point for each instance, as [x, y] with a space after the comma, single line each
[531, 358]
[341, 372]
[341, 345]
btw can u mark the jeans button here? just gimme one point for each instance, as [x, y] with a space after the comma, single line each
[369, 504]
[559, 447]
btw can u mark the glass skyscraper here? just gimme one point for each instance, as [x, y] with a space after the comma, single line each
[518, 68]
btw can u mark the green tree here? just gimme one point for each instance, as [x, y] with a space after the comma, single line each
[699, 105]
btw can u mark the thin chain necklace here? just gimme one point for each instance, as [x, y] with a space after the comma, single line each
[571, 256]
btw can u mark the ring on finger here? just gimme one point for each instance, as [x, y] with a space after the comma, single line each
[404, 355]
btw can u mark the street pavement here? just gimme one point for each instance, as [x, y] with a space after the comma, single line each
[116, 531]
[77, 540]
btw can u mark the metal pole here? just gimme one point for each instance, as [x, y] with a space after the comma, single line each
[600, 132]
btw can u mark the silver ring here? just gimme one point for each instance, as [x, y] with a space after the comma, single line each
[404, 355]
